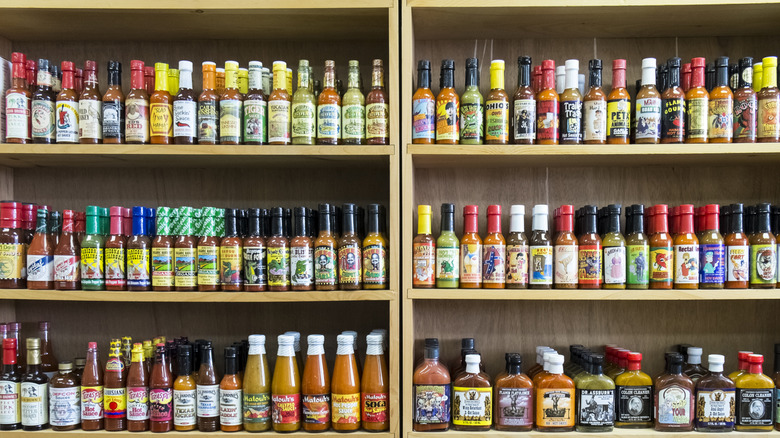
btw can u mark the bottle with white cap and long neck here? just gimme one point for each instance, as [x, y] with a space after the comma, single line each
[345, 387]
[286, 388]
[375, 387]
[715, 398]
[185, 107]
[472, 398]
[571, 105]
[257, 387]
[693, 368]
[541, 250]
[648, 106]
[315, 387]
[255, 106]
[516, 250]
[555, 399]
[355, 350]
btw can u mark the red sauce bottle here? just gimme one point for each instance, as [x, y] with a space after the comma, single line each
[431, 391]
[161, 393]
[686, 252]
[28, 222]
[67, 256]
[137, 392]
[92, 391]
[40, 256]
[13, 245]
[17, 103]
[115, 390]
[162, 253]
[138, 278]
[115, 252]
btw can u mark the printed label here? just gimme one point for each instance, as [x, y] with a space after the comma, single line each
[301, 266]
[497, 120]
[590, 264]
[375, 407]
[376, 120]
[349, 264]
[686, 264]
[230, 412]
[447, 263]
[547, 120]
[374, 270]
[661, 264]
[353, 121]
[634, 404]
[161, 404]
[554, 407]
[137, 121]
[92, 266]
[67, 122]
[673, 119]
[721, 114]
[43, 116]
[447, 126]
[66, 268]
[115, 266]
[304, 120]
[208, 271]
[257, 408]
[12, 261]
[472, 122]
[696, 112]
[571, 120]
[618, 118]
[91, 402]
[712, 263]
[514, 407]
[185, 118]
[715, 407]
[566, 264]
[208, 401]
[423, 259]
[230, 264]
[161, 119]
[737, 263]
[745, 117]
[596, 407]
[423, 119]
[278, 266]
[254, 266]
[755, 407]
[40, 268]
[472, 406]
[137, 267]
[471, 266]
[34, 404]
[207, 121]
[525, 119]
[594, 119]
[329, 121]
[674, 405]
[614, 265]
[17, 115]
[137, 403]
[541, 264]
[184, 407]
[325, 266]
[10, 412]
[768, 125]
[517, 264]
[162, 267]
[279, 121]
[115, 402]
[648, 117]
[286, 409]
[493, 264]
[316, 409]
[638, 255]
[112, 119]
[230, 120]
[763, 263]
[64, 406]
[432, 404]
[254, 120]
[186, 267]
[90, 119]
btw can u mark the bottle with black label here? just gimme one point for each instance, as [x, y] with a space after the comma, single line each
[595, 398]
[634, 399]
[715, 398]
[755, 398]
[674, 397]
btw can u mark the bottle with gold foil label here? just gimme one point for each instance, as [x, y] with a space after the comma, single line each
[497, 107]
[769, 103]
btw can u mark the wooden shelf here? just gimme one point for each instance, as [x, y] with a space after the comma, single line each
[197, 297]
[104, 434]
[593, 295]
[23, 156]
[590, 155]
[616, 433]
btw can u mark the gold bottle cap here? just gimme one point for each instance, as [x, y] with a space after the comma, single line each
[353, 63]
[33, 343]
[66, 366]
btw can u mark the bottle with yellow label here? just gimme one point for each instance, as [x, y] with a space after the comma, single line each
[555, 399]
[162, 253]
[769, 103]
[279, 107]
[447, 106]
[697, 105]
[763, 251]
[161, 108]
[304, 108]
[345, 387]
[230, 107]
[497, 106]
[472, 398]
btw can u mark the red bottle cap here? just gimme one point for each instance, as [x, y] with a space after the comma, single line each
[92, 346]
[116, 211]
[548, 64]
[80, 222]
[149, 71]
[494, 219]
[9, 351]
[79, 73]
[755, 358]
[66, 66]
[685, 209]
[10, 215]
[90, 66]
[116, 220]
[566, 221]
[634, 361]
[18, 57]
[618, 64]
[470, 213]
[623, 358]
[136, 65]
[686, 68]
[28, 216]
[470, 209]
[697, 63]
[711, 217]
[67, 221]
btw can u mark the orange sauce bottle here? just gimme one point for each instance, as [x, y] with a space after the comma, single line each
[745, 104]
[447, 106]
[686, 251]
[470, 250]
[423, 106]
[594, 107]
[184, 415]
[769, 103]
[315, 387]
[618, 105]
[472, 394]
[590, 251]
[161, 108]
[345, 387]
[566, 251]
[721, 109]
[494, 252]
[737, 250]
[763, 251]
[547, 106]
[231, 415]
[555, 399]
[661, 261]
[286, 388]
[375, 388]
[696, 105]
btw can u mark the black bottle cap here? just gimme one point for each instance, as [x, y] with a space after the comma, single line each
[447, 208]
[374, 209]
[589, 209]
[432, 342]
[467, 344]
[764, 207]
[115, 65]
[516, 358]
[423, 64]
[722, 61]
[448, 64]
[43, 64]
[746, 62]
[594, 64]
[348, 209]
[614, 209]
[472, 63]
[636, 209]
[524, 60]
[674, 62]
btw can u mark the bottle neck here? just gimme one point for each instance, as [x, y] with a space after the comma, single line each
[231, 79]
[595, 77]
[432, 354]
[301, 228]
[448, 222]
[377, 78]
[136, 80]
[277, 225]
[674, 76]
[497, 79]
[494, 224]
[185, 79]
[618, 78]
[44, 80]
[114, 78]
[42, 225]
[524, 75]
[697, 77]
[722, 76]
[90, 79]
[161, 80]
[572, 79]
[634, 365]
[745, 75]
[469, 223]
[209, 79]
[448, 78]
[353, 78]
[566, 223]
[67, 80]
[348, 223]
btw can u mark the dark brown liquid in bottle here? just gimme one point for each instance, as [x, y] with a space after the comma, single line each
[350, 257]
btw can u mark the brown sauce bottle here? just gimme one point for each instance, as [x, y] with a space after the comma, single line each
[566, 255]
[594, 108]
[64, 399]
[43, 106]
[278, 254]
[674, 398]
[350, 257]
[673, 106]
[301, 253]
[745, 104]
[115, 252]
[517, 250]
[90, 107]
[67, 255]
[114, 106]
[524, 101]
[12, 235]
[138, 275]
[590, 253]
[230, 254]
[325, 253]
[737, 250]
[254, 254]
[208, 391]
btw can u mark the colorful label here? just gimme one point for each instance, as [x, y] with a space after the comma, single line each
[614, 264]
[66, 268]
[353, 122]
[185, 118]
[137, 403]
[525, 119]
[230, 412]
[279, 121]
[207, 401]
[184, 407]
[375, 407]
[162, 267]
[12, 261]
[571, 120]
[161, 404]
[161, 119]
[112, 119]
[423, 259]
[686, 264]
[40, 268]
[673, 119]
[278, 266]
[10, 412]
[661, 264]
[115, 266]
[516, 264]
[595, 407]
[92, 266]
[137, 267]
[286, 409]
[755, 407]
[674, 405]
[638, 272]
[424, 119]
[618, 118]
[17, 115]
[115, 402]
[230, 264]
[493, 264]
[447, 126]
[377, 120]
[43, 116]
[136, 121]
[715, 408]
[208, 269]
[541, 264]
[554, 407]
[472, 406]
[768, 114]
[67, 122]
[721, 118]
[432, 404]
[594, 119]
[257, 408]
[447, 263]
[514, 407]
[186, 267]
[763, 262]
[745, 117]
[346, 408]
[207, 121]
[547, 120]
[34, 404]
[497, 121]
[349, 264]
[316, 408]
[634, 404]
[471, 266]
[374, 270]
[254, 120]
[230, 120]
[301, 265]
[696, 115]
[304, 120]
[713, 263]
[91, 402]
[737, 259]
[90, 119]
[566, 264]
[590, 264]
[64, 406]
[472, 122]
[329, 121]
[648, 117]
[254, 266]
[325, 266]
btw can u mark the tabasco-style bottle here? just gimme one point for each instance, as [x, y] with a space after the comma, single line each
[230, 107]
[447, 106]
[755, 397]
[447, 250]
[763, 252]
[547, 108]
[686, 252]
[697, 105]
[353, 108]
[18, 125]
[565, 250]
[470, 250]
[769, 103]
[494, 251]
[472, 108]
[737, 250]
[590, 253]
[423, 106]
[423, 250]
[637, 249]
[673, 106]
[594, 107]
[618, 105]
[92, 391]
[114, 106]
[745, 104]
[712, 273]
[304, 108]
[279, 107]
[721, 107]
[648, 106]
[208, 106]
[92, 252]
[524, 104]
[137, 392]
[328, 108]
[161, 108]
[67, 117]
[43, 106]
[10, 379]
[497, 106]
[571, 106]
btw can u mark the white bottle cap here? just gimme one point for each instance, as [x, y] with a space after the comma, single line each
[315, 345]
[315, 339]
[344, 344]
[256, 339]
[185, 66]
[572, 70]
[374, 344]
[556, 364]
[344, 339]
[285, 340]
[220, 70]
[517, 220]
[539, 354]
[296, 340]
[694, 355]
[581, 83]
[285, 346]
[539, 221]
[648, 71]
[546, 356]
[560, 78]
[715, 362]
[472, 363]
[254, 64]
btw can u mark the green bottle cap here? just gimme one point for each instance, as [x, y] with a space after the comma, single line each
[93, 220]
[197, 222]
[163, 221]
[184, 220]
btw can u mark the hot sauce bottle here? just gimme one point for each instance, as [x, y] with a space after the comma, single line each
[208, 253]
[115, 391]
[715, 398]
[513, 397]
[618, 105]
[279, 107]
[745, 104]
[674, 398]
[67, 111]
[353, 108]
[472, 108]
[67, 255]
[13, 246]
[634, 395]
[712, 250]
[254, 254]
[184, 393]
[721, 107]
[286, 388]
[230, 394]
[138, 272]
[594, 107]
[566, 250]
[743, 365]
[230, 107]
[185, 107]
[208, 104]
[662, 258]
[90, 107]
[494, 251]
[590, 255]
[278, 253]
[43, 112]
[374, 252]
[136, 106]
[423, 106]
[92, 252]
[149, 79]
[697, 105]
[162, 265]
[325, 259]
[31, 70]
[686, 252]
[374, 387]
[737, 251]
[17, 103]
[648, 106]
[377, 110]
[161, 108]
[345, 387]
[328, 108]
[257, 387]
[424, 250]
[673, 106]
[185, 251]
[255, 106]
[524, 104]
[571, 106]
[769, 103]
[448, 106]
[517, 250]
[315, 387]
[554, 398]
[114, 106]
[763, 251]
[301, 253]
[472, 394]
[637, 249]
[497, 106]
[595, 394]
[64, 399]
[541, 250]
[230, 254]
[431, 392]
[115, 253]
[34, 391]
[614, 250]
[776, 378]
[755, 396]
[447, 250]
[470, 250]
[40, 255]
[547, 107]
[92, 391]
[350, 257]
[207, 391]
[10, 380]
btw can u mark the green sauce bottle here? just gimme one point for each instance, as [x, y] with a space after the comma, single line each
[447, 250]
[595, 398]
[614, 250]
[92, 252]
[637, 248]
[304, 108]
[472, 107]
[353, 109]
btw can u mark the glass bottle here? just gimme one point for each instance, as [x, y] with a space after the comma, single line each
[618, 105]
[230, 107]
[594, 107]
[17, 103]
[374, 387]
[697, 105]
[693, 367]
[745, 104]
[595, 399]
[517, 250]
[471, 403]
[350, 257]
[423, 106]
[721, 106]
[547, 108]
[494, 251]
[565, 248]
[571, 106]
[328, 108]
[715, 398]
[10, 380]
[92, 252]
[278, 254]
[590, 252]
[113, 106]
[315, 387]
[674, 401]
[185, 107]
[255, 116]
[374, 252]
[614, 250]
[637, 249]
[540, 250]
[325, 255]
[673, 106]
[230, 394]
[43, 111]
[743, 365]
[712, 250]
[279, 107]
[524, 104]
[555, 399]
[513, 405]
[64, 399]
[208, 104]
[648, 106]
[472, 107]
[207, 391]
[737, 251]
[161, 108]
[304, 109]
[34, 392]
[345, 387]
[115, 259]
[115, 390]
[634, 397]
[447, 250]
[377, 112]
[470, 250]
[40, 259]
[160, 392]
[497, 106]
[423, 250]
[447, 106]
[353, 108]
[431, 392]
[257, 387]
[286, 388]
[686, 251]
[136, 106]
[763, 251]
[755, 397]
[138, 258]
[92, 391]
[184, 391]
[769, 103]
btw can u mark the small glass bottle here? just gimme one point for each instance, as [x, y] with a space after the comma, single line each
[693, 367]
[755, 398]
[350, 251]
[524, 104]
[634, 396]
[513, 398]
[353, 108]
[614, 245]
[494, 251]
[715, 398]
[769, 102]
[10, 380]
[555, 399]
[595, 398]
[697, 105]
[721, 107]
[547, 108]
[34, 393]
[374, 252]
[540, 250]
[423, 106]
[618, 106]
[647, 113]
[686, 251]
[745, 104]
[431, 392]
[64, 399]
[674, 398]
[566, 249]
[763, 251]
[472, 107]
[447, 106]
[571, 105]
[497, 106]
[447, 250]
[471, 398]
[590, 251]
[161, 108]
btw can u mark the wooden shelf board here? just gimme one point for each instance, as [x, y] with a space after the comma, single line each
[205, 5]
[593, 295]
[104, 434]
[616, 433]
[197, 297]
[589, 155]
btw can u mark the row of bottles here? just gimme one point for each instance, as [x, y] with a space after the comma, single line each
[243, 109]
[593, 392]
[225, 249]
[180, 389]
[588, 249]
[678, 109]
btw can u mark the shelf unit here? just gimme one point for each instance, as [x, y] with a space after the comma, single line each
[103, 434]
[518, 320]
[72, 176]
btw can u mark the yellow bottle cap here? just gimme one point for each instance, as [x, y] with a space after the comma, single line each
[161, 66]
[280, 66]
[231, 65]
[497, 64]
[424, 209]
[769, 61]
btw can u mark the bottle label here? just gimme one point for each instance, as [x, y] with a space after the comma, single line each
[737, 263]
[230, 264]
[112, 119]
[673, 119]
[472, 406]
[497, 121]
[648, 117]
[376, 120]
[279, 121]
[304, 116]
[64, 406]
[755, 407]
[184, 407]
[375, 407]
[186, 268]
[161, 119]
[329, 121]
[571, 120]
[316, 409]
[674, 405]
[17, 115]
[590, 264]
[566, 264]
[254, 120]
[696, 111]
[92, 266]
[43, 114]
[115, 266]
[517, 264]
[614, 265]
[12, 261]
[745, 117]
[715, 408]
[618, 117]
[541, 264]
[325, 266]
[230, 120]
[137, 267]
[162, 266]
[721, 118]
[471, 268]
[374, 270]
[763, 263]
[713, 262]
[90, 119]
[514, 407]
[547, 120]
[185, 115]
[286, 409]
[432, 404]
[634, 404]
[91, 402]
[661, 264]
[353, 120]
[257, 408]
[136, 120]
[9, 402]
[115, 402]
[67, 122]
[40, 268]
[207, 121]
[34, 403]
[208, 270]
[447, 266]
[447, 126]
[254, 266]
[161, 404]
[638, 255]
[349, 264]
[493, 264]
[424, 259]
[596, 407]
[472, 122]
[423, 119]
[768, 114]
[525, 119]
[230, 412]
[278, 266]
[595, 120]
[686, 258]
[301, 265]
[66, 268]
[137, 403]
[554, 407]
[208, 401]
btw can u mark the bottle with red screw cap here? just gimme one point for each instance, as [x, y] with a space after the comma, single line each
[67, 108]
[91, 107]
[17, 103]
[686, 252]
[634, 395]
[565, 266]
[494, 252]
[10, 380]
[755, 398]
[697, 105]
[712, 250]
[14, 254]
[547, 108]
[470, 250]
[137, 106]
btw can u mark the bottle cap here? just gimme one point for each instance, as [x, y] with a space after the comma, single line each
[648, 63]
[185, 65]
[472, 358]
[449, 64]
[769, 61]
[556, 359]
[634, 357]
[694, 351]
[722, 61]
[160, 66]
[685, 209]
[494, 210]
[698, 63]
[285, 340]
[620, 64]
[467, 344]
[572, 64]
[716, 359]
[35, 343]
[256, 339]
[66, 366]
[471, 209]
[90, 66]
[517, 209]
[315, 339]
[115, 66]
[673, 62]
[540, 209]
[524, 60]
[231, 66]
[548, 64]
[497, 64]
[753, 358]
[344, 339]
[374, 338]
[18, 57]
[423, 64]
[445, 208]
[432, 342]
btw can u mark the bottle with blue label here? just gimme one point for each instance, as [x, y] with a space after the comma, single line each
[715, 398]
[712, 251]
[541, 250]
[138, 246]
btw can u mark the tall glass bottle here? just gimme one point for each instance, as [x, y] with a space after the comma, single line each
[566, 249]
[374, 387]
[353, 108]
[423, 106]
[763, 251]
[614, 250]
[374, 252]
[674, 398]
[304, 108]
[230, 107]
[286, 388]
[207, 391]
[350, 257]
[92, 391]
[185, 107]
[114, 106]
[686, 252]
[472, 107]
[673, 106]
[161, 108]
[447, 250]
[208, 106]
[590, 253]
[432, 391]
[594, 107]
[618, 105]
[230, 394]
[721, 105]
[715, 399]
[345, 387]
[497, 106]
[547, 108]
[524, 104]
[745, 104]
[540, 250]
[755, 397]
[637, 249]
[17, 103]
[43, 111]
[494, 251]
[377, 112]
[697, 105]
[115, 390]
[571, 105]
[92, 252]
[257, 387]
[315, 387]
[90, 107]
[648, 106]
[328, 112]
[737, 251]
[423, 250]
[34, 391]
[470, 250]
[184, 391]
[472, 394]
[67, 109]
[136, 106]
[10, 381]
[279, 107]
[769, 103]
[255, 115]
[325, 253]
[447, 106]
[555, 399]
[517, 250]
